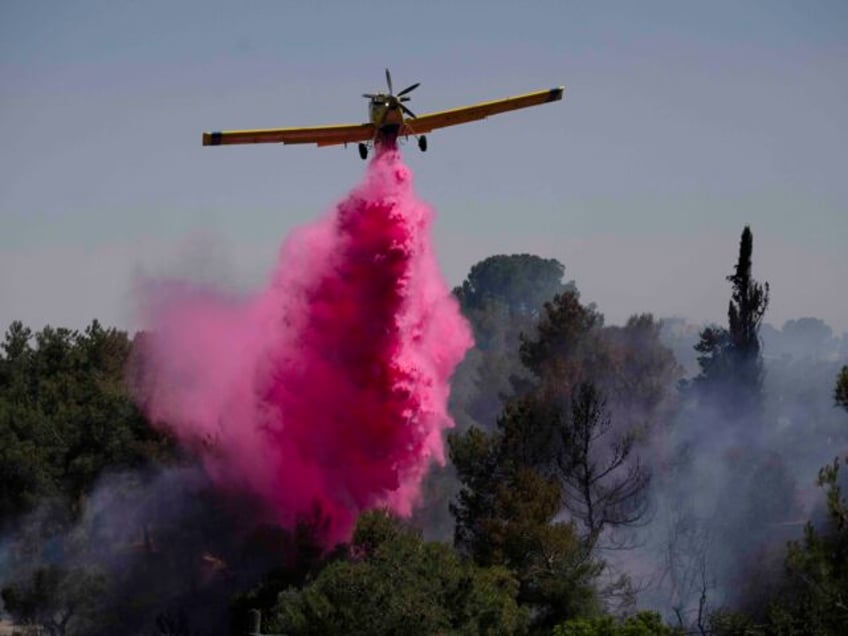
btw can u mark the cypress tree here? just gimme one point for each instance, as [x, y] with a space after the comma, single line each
[731, 361]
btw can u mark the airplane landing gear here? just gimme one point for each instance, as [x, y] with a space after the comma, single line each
[422, 143]
[363, 151]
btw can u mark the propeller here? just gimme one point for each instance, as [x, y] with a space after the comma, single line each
[394, 101]
[408, 89]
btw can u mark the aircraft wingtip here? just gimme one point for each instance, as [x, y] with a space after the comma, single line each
[556, 93]
[212, 139]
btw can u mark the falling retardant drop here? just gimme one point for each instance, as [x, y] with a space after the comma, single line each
[328, 390]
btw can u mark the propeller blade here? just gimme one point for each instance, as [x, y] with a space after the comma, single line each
[409, 89]
[409, 112]
[404, 99]
[369, 95]
[389, 80]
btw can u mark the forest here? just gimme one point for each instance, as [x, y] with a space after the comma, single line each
[655, 477]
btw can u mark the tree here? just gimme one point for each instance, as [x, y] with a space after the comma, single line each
[554, 567]
[16, 348]
[515, 482]
[747, 304]
[840, 393]
[730, 360]
[557, 353]
[601, 489]
[807, 337]
[66, 415]
[641, 624]
[627, 363]
[56, 599]
[560, 435]
[506, 516]
[814, 597]
[603, 483]
[568, 422]
[638, 372]
[519, 282]
[519, 476]
[301, 554]
[502, 297]
[392, 582]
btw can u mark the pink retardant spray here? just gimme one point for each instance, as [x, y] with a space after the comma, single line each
[328, 390]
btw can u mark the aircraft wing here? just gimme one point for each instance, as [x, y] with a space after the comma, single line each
[441, 119]
[320, 135]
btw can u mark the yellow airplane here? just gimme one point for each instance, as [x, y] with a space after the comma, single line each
[386, 122]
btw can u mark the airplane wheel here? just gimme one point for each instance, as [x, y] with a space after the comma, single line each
[422, 143]
[363, 151]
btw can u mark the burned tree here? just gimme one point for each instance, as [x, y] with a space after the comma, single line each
[605, 485]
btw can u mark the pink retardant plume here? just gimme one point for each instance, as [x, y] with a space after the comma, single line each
[328, 391]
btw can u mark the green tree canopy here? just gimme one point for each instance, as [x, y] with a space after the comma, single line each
[392, 582]
[641, 624]
[561, 445]
[502, 297]
[66, 415]
[520, 282]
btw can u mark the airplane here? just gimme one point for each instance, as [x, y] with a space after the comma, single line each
[386, 122]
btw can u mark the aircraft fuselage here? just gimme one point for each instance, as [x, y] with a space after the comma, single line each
[386, 116]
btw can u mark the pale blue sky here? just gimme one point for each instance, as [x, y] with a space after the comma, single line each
[681, 123]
